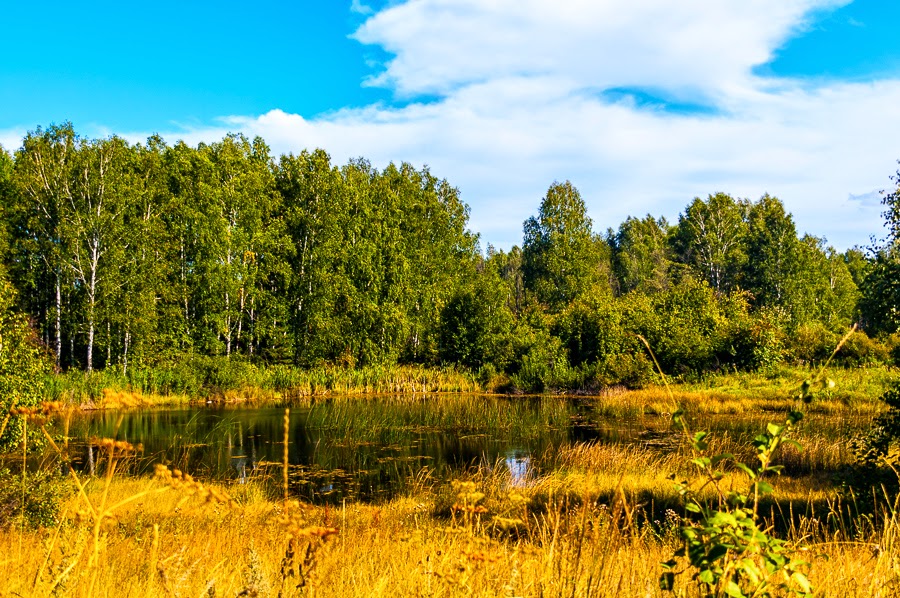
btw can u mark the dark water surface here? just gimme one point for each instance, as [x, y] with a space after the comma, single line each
[369, 448]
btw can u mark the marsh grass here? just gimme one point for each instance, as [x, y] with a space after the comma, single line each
[521, 416]
[544, 539]
[208, 379]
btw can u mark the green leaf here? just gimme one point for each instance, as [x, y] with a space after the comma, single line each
[745, 469]
[764, 487]
[793, 443]
[801, 580]
[699, 441]
[707, 577]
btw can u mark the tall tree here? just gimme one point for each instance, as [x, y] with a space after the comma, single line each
[561, 256]
[315, 220]
[642, 254]
[43, 176]
[93, 228]
[880, 304]
[711, 237]
[139, 290]
[236, 193]
[7, 198]
[774, 253]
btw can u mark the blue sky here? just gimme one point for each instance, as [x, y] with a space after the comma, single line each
[642, 104]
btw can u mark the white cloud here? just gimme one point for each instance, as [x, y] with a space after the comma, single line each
[690, 45]
[518, 106]
[11, 139]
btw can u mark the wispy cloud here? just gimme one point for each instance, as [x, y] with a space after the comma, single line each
[359, 8]
[517, 99]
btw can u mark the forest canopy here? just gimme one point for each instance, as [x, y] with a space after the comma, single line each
[128, 255]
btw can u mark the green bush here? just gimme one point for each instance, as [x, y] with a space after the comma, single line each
[877, 452]
[24, 365]
[812, 343]
[680, 324]
[753, 342]
[35, 500]
[860, 349]
[541, 359]
[475, 328]
[634, 370]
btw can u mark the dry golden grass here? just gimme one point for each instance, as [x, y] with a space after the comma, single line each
[123, 399]
[162, 545]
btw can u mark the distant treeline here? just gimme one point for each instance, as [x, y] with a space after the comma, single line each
[125, 255]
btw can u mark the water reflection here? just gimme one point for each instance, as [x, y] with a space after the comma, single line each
[338, 449]
[520, 468]
[373, 448]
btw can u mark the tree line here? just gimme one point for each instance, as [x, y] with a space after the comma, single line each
[130, 255]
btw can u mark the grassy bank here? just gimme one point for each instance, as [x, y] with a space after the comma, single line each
[216, 380]
[202, 379]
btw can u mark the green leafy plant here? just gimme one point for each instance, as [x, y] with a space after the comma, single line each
[877, 452]
[728, 549]
[33, 498]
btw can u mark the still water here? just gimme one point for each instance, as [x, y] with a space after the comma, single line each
[351, 448]
[368, 448]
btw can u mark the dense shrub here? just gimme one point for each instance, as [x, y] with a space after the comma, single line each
[24, 364]
[750, 341]
[877, 451]
[812, 343]
[860, 350]
[475, 327]
[593, 329]
[541, 361]
[680, 325]
[35, 500]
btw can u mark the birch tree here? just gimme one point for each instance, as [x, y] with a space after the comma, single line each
[93, 226]
[43, 178]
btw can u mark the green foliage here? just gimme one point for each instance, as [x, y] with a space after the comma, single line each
[878, 307]
[541, 362]
[642, 254]
[476, 325]
[813, 343]
[877, 451]
[711, 239]
[751, 341]
[33, 498]
[23, 366]
[881, 288]
[595, 327]
[562, 258]
[891, 202]
[146, 256]
[728, 550]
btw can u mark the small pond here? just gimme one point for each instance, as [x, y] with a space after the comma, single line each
[370, 448]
